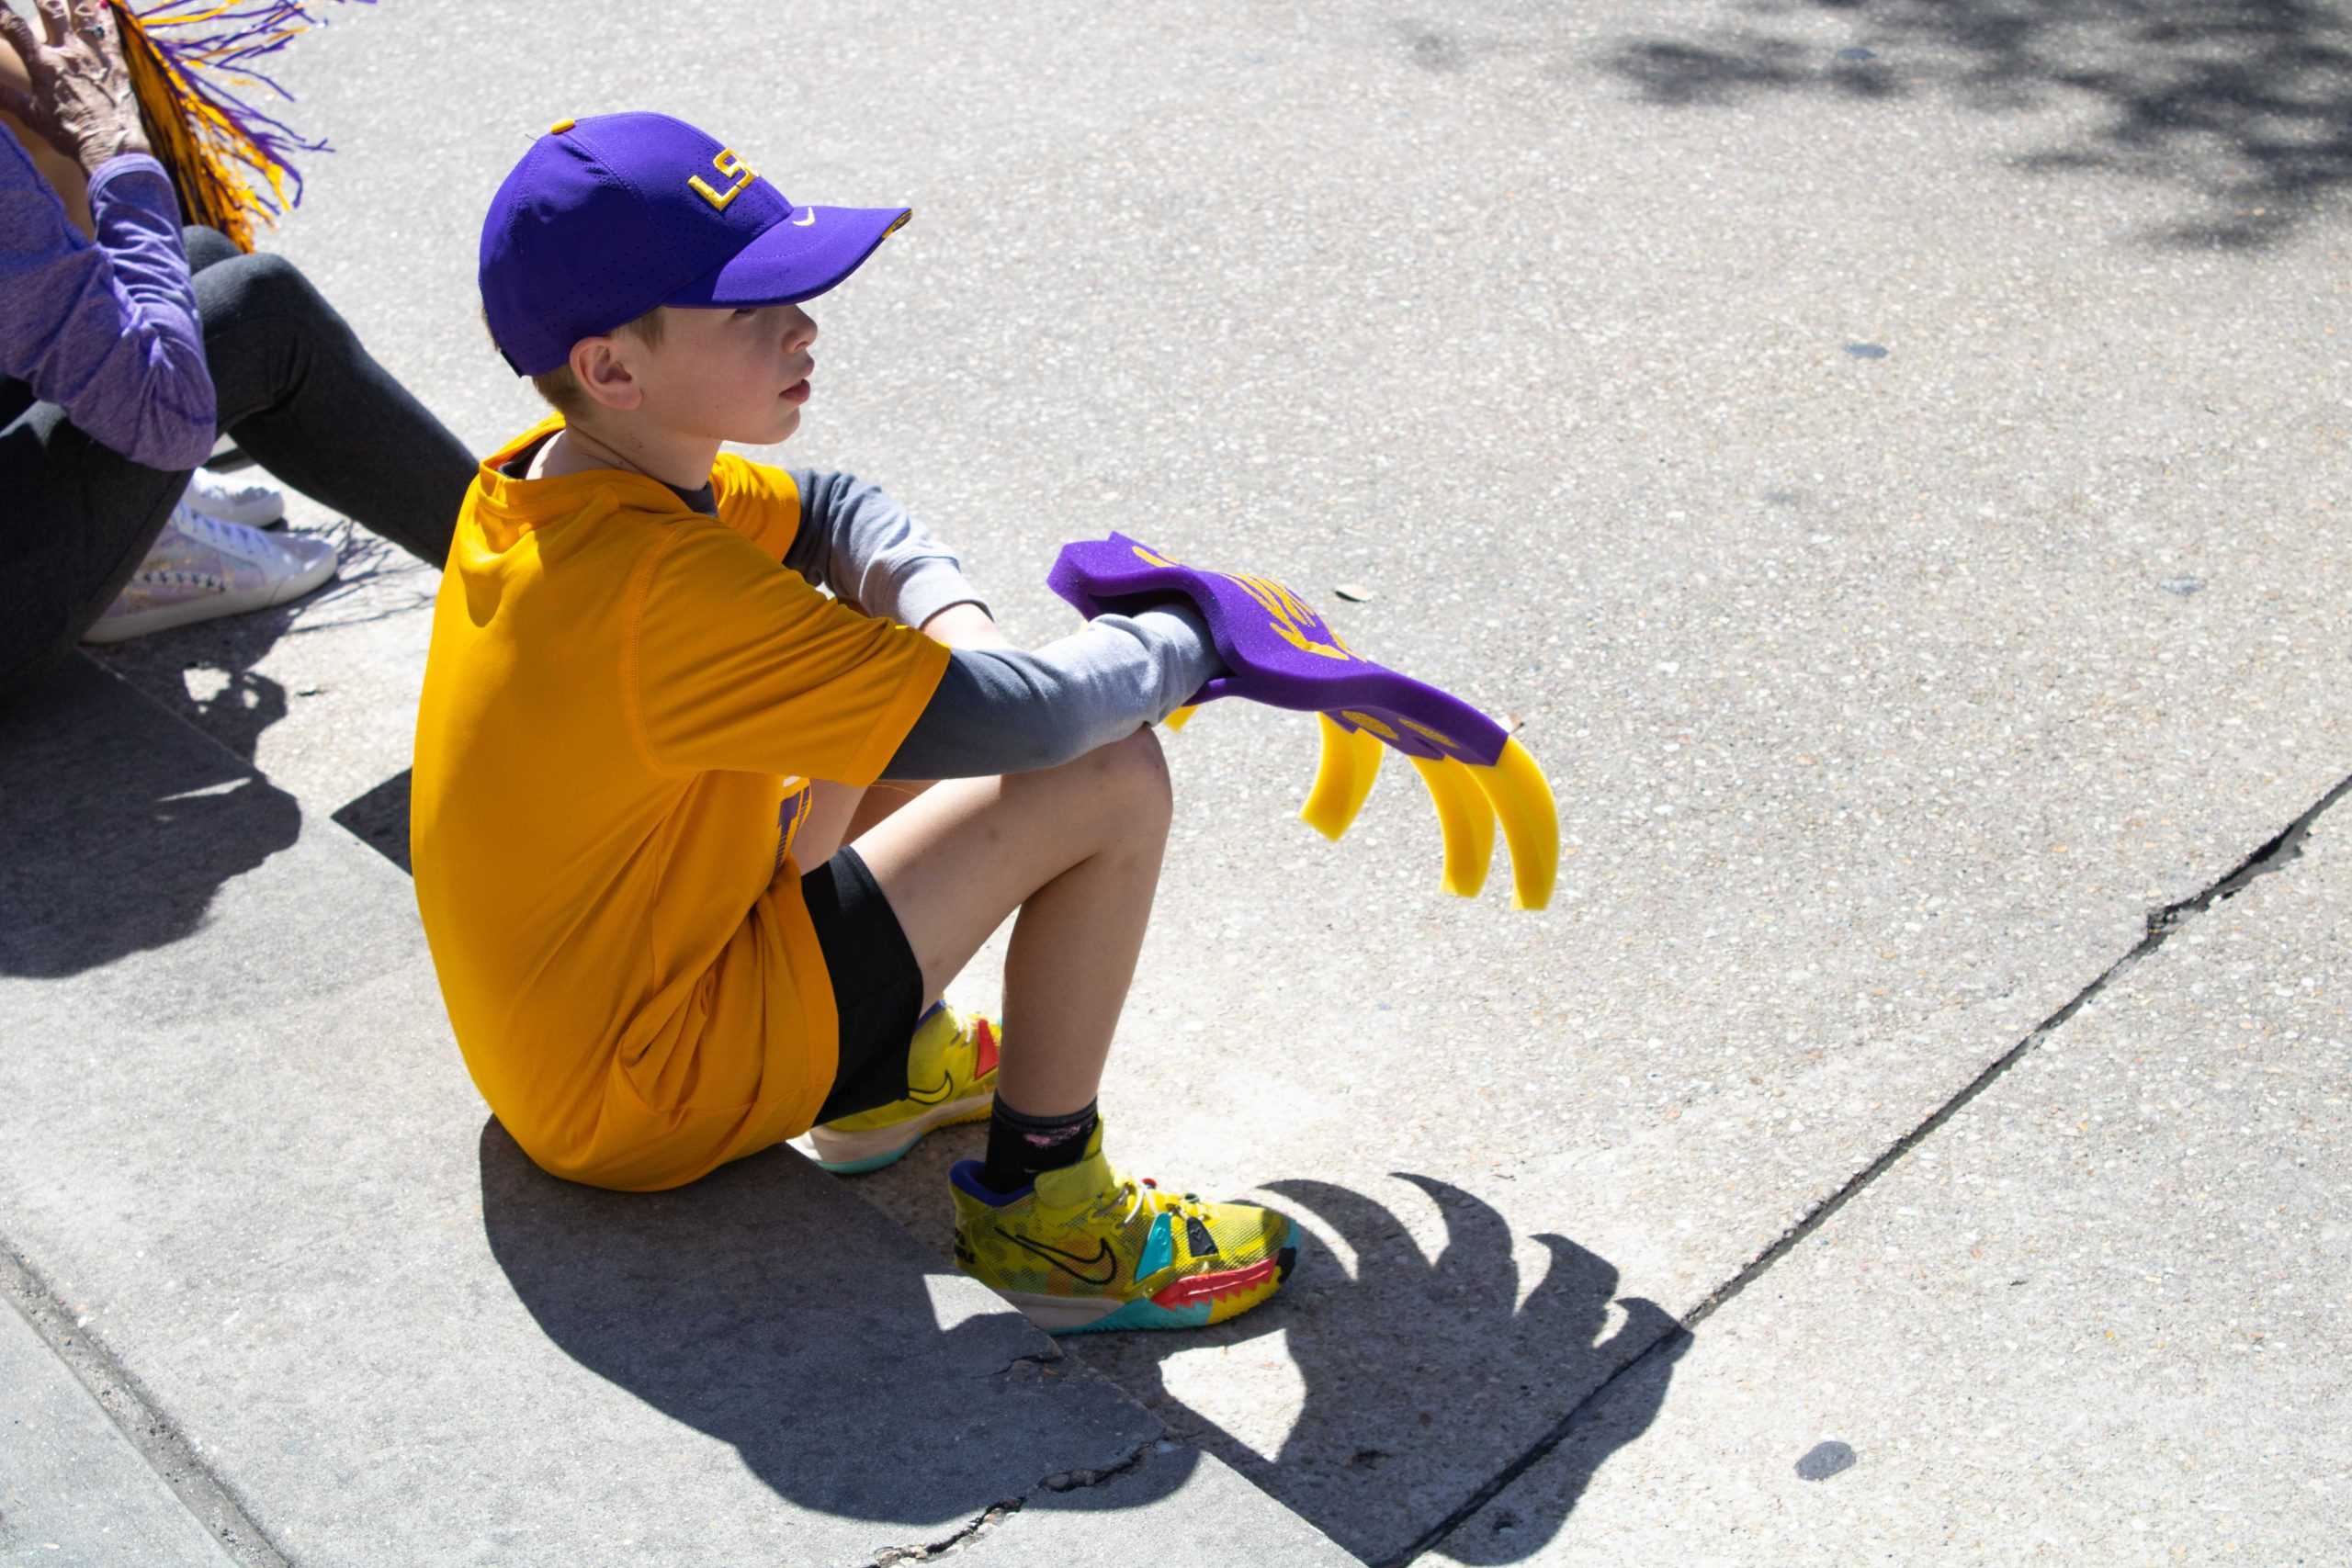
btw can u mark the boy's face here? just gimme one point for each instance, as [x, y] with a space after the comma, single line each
[738, 376]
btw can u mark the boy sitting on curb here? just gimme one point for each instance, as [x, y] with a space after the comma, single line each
[641, 719]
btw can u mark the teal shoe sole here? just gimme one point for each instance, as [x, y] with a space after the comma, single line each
[1143, 1315]
[871, 1162]
[972, 1108]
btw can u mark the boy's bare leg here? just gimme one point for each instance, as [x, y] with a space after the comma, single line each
[1046, 1219]
[1077, 850]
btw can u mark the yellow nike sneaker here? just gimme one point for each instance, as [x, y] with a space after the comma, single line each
[951, 1077]
[1087, 1249]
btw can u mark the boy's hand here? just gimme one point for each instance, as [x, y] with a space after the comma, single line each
[964, 626]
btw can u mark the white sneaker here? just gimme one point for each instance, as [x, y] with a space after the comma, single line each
[201, 568]
[256, 504]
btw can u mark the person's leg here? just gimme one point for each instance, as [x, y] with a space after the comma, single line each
[255, 503]
[81, 517]
[207, 247]
[1077, 850]
[301, 395]
[78, 520]
[904, 1070]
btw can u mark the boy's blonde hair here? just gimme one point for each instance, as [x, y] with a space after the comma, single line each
[561, 389]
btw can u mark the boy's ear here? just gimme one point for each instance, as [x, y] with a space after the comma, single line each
[600, 365]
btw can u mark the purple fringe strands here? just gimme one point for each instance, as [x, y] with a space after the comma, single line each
[192, 65]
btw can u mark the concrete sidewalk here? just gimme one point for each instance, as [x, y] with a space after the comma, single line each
[1892, 460]
[2098, 1316]
[252, 1205]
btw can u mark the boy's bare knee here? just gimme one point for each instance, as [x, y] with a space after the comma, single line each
[1134, 773]
[1109, 795]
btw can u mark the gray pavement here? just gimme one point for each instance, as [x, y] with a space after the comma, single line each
[1890, 464]
[73, 1492]
[256, 1196]
[2098, 1317]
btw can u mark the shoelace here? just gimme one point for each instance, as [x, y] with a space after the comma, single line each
[172, 575]
[200, 529]
[237, 494]
[1127, 1197]
[1147, 1192]
[211, 527]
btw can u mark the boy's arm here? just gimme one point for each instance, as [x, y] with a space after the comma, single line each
[861, 544]
[964, 626]
[1003, 710]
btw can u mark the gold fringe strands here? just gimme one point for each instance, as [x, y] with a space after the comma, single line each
[192, 67]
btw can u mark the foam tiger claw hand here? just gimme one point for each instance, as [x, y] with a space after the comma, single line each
[1279, 652]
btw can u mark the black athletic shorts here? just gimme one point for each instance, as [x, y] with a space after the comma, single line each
[877, 984]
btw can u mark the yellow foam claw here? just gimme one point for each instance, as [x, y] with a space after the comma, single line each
[1343, 777]
[1531, 820]
[1467, 818]
[1179, 718]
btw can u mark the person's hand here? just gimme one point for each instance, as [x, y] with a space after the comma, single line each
[79, 97]
[1278, 652]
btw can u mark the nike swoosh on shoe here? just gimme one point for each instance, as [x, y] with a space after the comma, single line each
[1069, 1263]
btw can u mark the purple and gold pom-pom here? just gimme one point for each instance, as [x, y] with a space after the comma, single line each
[192, 64]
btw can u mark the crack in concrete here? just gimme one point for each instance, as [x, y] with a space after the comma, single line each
[987, 1520]
[126, 1405]
[2285, 847]
[2276, 854]
[1041, 1364]
[997, 1513]
[1075, 1480]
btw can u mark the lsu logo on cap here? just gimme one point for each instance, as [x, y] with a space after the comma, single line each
[734, 168]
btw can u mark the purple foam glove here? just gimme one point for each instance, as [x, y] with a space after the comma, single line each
[1279, 651]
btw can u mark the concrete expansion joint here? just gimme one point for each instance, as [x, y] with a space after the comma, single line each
[156, 1441]
[2276, 854]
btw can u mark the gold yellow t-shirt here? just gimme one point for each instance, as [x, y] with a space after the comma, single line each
[620, 697]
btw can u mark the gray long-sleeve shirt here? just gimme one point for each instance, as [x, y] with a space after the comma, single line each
[996, 710]
[999, 710]
[861, 544]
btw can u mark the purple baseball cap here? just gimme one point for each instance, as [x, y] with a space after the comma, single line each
[608, 217]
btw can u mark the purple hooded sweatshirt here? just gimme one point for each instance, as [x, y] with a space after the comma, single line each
[109, 330]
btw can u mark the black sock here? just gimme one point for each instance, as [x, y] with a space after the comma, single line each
[1020, 1147]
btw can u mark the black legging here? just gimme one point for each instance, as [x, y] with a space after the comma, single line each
[294, 390]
